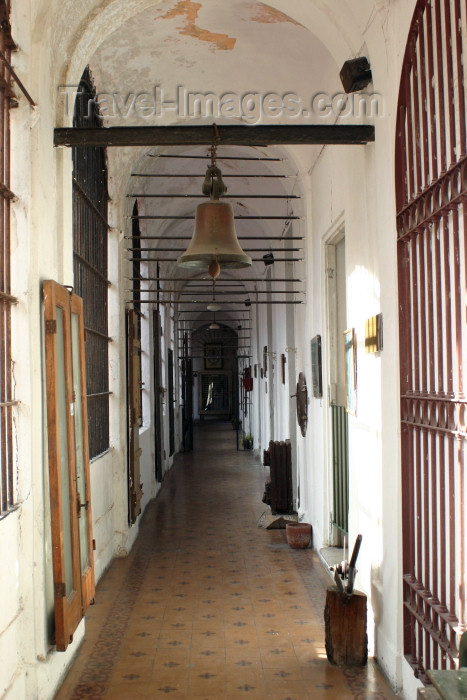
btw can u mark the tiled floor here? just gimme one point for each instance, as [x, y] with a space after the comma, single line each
[210, 606]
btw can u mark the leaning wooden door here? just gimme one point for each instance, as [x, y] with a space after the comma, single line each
[83, 491]
[71, 520]
[135, 492]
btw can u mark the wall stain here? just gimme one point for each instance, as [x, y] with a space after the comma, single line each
[189, 10]
[269, 15]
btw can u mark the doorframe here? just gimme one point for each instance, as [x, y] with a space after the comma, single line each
[331, 238]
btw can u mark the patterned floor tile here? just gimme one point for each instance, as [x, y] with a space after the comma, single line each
[209, 610]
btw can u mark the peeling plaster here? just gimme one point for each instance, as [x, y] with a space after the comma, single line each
[269, 15]
[189, 10]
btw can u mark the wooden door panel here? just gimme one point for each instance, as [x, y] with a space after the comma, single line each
[62, 463]
[83, 480]
[135, 491]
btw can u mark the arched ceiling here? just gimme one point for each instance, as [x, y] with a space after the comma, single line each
[259, 66]
[267, 205]
[211, 47]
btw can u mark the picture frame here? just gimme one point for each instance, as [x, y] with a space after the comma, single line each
[283, 363]
[374, 333]
[212, 356]
[350, 371]
[316, 368]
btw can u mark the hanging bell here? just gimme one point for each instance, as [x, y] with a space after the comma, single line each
[214, 238]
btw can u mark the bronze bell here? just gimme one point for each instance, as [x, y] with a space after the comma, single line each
[214, 238]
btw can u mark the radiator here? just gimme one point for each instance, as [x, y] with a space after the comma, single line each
[278, 492]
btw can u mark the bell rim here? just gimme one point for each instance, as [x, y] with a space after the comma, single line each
[225, 260]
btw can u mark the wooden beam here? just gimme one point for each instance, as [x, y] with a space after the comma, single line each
[265, 135]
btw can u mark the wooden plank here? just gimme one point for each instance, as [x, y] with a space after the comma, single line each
[67, 605]
[264, 135]
[88, 587]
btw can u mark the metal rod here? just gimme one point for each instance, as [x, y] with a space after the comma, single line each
[289, 260]
[229, 293]
[8, 297]
[223, 282]
[17, 80]
[224, 196]
[208, 155]
[176, 303]
[192, 216]
[193, 357]
[240, 238]
[230, 311]
[181, 250]
[200, 175]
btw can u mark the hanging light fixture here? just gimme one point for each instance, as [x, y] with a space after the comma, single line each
[214, 244]
[213, 305]
[213, 326]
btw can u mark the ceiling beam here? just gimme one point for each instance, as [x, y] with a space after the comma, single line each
[223, 282]
[224, 196]
[263, 135]
[201, 175]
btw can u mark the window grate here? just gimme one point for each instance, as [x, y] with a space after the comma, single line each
[136, 235]
[431, 177]
[90, 230]
[7, 401]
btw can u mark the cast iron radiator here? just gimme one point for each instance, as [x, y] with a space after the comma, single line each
[278, 489]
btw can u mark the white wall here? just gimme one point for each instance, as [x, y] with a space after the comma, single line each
[350, 184]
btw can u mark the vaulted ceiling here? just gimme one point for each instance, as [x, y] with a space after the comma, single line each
[256, 65]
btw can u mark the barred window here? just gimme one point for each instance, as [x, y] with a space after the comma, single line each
[7, 402]
[136, 252]
[90, 229]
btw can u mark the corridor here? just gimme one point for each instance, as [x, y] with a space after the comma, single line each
[208, 604]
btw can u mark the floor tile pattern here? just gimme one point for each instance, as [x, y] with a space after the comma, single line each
[208, 605]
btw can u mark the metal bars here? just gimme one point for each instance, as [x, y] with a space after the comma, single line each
[340, 468]
[90, 228]
[7, 402]
[431, 186]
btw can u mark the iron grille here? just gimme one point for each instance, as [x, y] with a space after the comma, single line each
[7, 402]
[90, 229]
[431, 184]
[136, 237]
[340, 468]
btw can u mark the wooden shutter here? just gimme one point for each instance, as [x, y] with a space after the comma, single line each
[73, 565]
[135, 492]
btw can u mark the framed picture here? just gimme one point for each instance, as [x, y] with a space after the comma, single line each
[350, 371]
[374, 333]
[212, 356]
[316, 368]
[283, 363]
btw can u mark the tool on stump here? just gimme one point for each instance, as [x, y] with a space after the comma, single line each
[346, 570]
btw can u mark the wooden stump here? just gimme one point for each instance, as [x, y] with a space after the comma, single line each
[345, 628]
